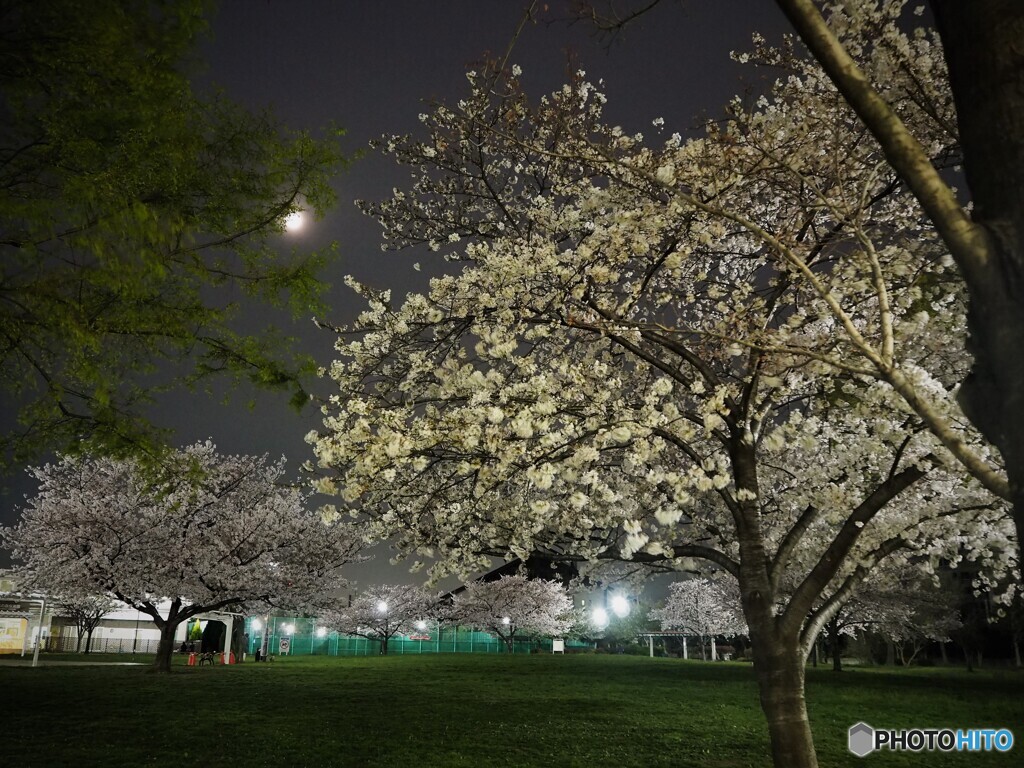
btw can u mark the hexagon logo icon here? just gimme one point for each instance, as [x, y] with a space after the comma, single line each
[861, 739]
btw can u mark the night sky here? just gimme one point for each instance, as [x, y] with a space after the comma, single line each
[371, 68]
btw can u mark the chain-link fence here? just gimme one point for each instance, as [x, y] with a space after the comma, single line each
[70, 644]
[303, 637]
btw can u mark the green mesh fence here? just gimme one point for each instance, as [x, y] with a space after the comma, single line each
[303, 637]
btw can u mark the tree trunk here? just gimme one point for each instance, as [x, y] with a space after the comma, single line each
[1016, 652]
[88, 640]
[890, 653]
[833, 642]
[780, 676]
[779, 656]
[165, 648]
[968, 658]
[78, 641]
[383, 646]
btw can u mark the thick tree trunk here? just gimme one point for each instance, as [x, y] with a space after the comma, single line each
[779, 657]
[165, 648]
[383, 646]
[982, 44]
[88, 640]
[780, 676]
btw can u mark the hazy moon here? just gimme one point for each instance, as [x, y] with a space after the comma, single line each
[293, 221]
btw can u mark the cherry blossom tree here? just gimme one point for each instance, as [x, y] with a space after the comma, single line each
[86, 611]
[209, 532]
[514, 605]
[981, 46]
[383, 611]
[654, 353]
[702, 607]
[898, 604]
[971, 60]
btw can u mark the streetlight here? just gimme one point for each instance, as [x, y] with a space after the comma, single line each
[382, 607]
[599, 617]
[421, 625]
[321, 631]
[620, 606]
[506, 620]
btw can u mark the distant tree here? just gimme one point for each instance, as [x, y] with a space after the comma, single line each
[212, 532]
[704, 608]
[1015, 623]
[86, 611]
[901, 606]
[134, 215]
[195, 630]
[514, 606]
[382, 612]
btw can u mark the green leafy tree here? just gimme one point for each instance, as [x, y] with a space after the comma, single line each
[135, 218]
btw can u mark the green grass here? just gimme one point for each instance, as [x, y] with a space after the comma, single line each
[452, 711]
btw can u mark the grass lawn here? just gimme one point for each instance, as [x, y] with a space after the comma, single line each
[465, 710]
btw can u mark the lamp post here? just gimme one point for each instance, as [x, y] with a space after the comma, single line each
[265, 645]
[254, 626]
[382, 607]
[620, 606]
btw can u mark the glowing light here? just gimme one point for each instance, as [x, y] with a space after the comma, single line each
[289, 629]
[620, 606]
[382, 607]
[321, 631]
[255, 624]
[421, 625]
[506, 620]
[293, 221]
[600, 618]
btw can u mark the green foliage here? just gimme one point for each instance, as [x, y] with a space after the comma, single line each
[475, 710]
[135, 217]
[195, 631]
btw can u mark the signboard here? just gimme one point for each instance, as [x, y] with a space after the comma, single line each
[12, 634]
[558, 646]
[284, 646]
